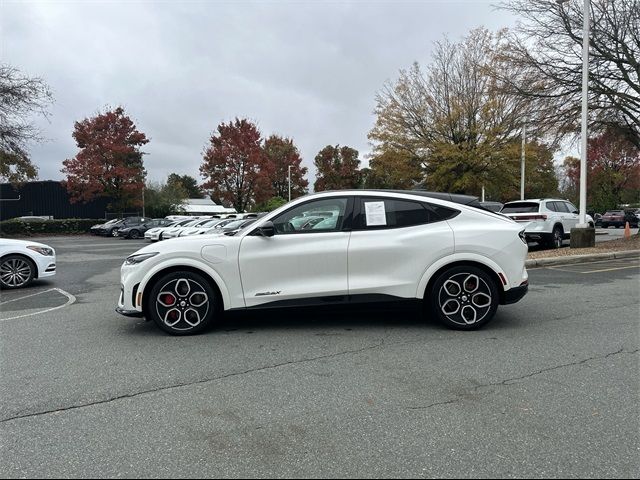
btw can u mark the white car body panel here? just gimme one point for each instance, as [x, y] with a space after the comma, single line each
[395, 269]
[252, 271]
[293, 266]
[19, 247]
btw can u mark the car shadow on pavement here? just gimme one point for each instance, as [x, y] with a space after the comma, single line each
[318, 320]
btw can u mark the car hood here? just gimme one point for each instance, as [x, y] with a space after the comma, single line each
[192, 244]
[20, 243]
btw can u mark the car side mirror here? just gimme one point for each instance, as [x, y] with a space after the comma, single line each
[576, 212]
[266, 230]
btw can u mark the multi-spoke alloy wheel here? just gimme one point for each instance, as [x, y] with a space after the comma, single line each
[16, 272]
[464, 297]
[182, 303]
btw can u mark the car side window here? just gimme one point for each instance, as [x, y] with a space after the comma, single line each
[572, 208]
[552, 206]
[562, 207]
[381, 213]
[326, 215]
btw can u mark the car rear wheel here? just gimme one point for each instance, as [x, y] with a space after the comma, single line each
[555, 241]
[16, 272]
[135, 234]
[464, 298]
[114, 232]
[183, 303]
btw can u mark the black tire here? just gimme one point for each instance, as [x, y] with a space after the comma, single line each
[114, 232]
[135, 234]
[444, 296]
[16, 271]
[604, 225]
[188, 317]
[556, 238]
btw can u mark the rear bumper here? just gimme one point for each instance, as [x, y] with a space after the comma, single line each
[515, 294]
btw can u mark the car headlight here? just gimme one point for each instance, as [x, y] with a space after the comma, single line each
[47, 252]
[139, 258]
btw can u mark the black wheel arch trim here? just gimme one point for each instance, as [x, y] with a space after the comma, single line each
[470, 263]
[178, 268]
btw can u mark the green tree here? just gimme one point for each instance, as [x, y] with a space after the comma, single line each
[270, 205]
[337, 168]
[164, 199]
[393, 169]
[187, 183]
[453, 119]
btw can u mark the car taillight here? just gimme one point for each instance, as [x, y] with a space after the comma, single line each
[529, 217]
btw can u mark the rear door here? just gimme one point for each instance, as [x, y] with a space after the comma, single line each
[392, 243]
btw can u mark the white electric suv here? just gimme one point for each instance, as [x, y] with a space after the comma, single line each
[461, 261]
[547, 221]
[23, 261]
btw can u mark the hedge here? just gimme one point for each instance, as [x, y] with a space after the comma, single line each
[66, 226]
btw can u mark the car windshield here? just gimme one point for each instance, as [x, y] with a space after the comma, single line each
[521, 207]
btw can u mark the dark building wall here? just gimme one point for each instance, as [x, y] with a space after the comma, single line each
[46, 198]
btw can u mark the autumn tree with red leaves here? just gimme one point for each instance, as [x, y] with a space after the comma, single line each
[235, 167]
[337, 168]
[613, 171]
[282, 153]
[109, 163]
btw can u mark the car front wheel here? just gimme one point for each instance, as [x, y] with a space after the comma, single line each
[464, 298]
[114, 232]
[183, 303]
[135, 234]
[16, 272]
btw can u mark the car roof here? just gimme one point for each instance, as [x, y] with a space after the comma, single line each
[449, 197]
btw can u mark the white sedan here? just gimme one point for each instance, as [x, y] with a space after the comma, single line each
[22, 261]
[440, 250]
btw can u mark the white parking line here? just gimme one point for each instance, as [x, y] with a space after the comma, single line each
[70, 300]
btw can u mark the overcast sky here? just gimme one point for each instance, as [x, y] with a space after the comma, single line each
[304, 69]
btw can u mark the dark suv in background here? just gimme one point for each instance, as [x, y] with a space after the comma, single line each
[138, 231]
[111, 228]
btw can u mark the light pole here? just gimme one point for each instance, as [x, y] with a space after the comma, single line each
[289, 182]
[522, 157]
[582, 223]
[582, 235]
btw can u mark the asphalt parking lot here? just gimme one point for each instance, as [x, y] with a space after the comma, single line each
[550, 388]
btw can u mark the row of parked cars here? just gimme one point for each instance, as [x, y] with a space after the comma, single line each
[156, 229]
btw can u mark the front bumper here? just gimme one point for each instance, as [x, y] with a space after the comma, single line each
[129, 313]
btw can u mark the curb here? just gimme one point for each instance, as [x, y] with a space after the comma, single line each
[545, 262]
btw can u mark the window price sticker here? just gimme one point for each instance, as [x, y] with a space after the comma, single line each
[375, 214]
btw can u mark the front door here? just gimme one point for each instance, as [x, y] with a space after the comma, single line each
[305, 262]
